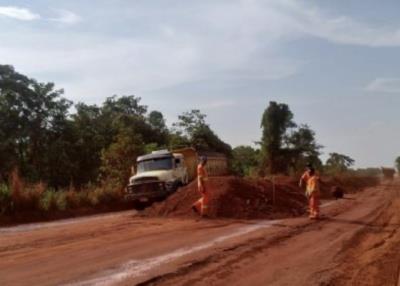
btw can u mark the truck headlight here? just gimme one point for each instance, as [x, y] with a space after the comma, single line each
[169, 185]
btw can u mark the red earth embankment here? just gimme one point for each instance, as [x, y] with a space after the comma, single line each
[233, 197]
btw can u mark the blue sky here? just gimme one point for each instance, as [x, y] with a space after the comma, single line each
[336, 63]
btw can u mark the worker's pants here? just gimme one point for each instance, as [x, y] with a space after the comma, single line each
[314, 204]
[202, 204]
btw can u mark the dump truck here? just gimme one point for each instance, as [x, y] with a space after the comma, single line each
[161, 173]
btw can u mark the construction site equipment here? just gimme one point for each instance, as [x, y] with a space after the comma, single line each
[161, 173]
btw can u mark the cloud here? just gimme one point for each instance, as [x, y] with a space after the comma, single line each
[224, 42]
[297, 19]
[384, 85]
[18, 13]
[66, 17]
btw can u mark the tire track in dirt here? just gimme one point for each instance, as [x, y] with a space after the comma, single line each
[133, 269]
[372, 256]
[228, 260]
[232, 255]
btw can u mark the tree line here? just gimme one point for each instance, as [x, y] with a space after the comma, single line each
[50, 139]
[286, 148]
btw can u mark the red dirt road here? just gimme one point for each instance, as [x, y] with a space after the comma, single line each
[356, 243]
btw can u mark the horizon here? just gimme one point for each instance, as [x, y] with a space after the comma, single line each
[334, 65]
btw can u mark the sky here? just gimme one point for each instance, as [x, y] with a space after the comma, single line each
[335, 63]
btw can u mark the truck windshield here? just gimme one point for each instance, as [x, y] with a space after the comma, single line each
[155, 164]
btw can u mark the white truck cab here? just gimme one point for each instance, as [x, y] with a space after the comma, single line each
[158, 175]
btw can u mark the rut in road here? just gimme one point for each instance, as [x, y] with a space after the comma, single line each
[368, 257]
[372, 257]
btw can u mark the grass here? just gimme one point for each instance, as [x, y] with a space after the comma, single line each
[17, 196]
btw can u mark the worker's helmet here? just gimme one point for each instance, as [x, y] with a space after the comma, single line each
[203, 159]
[310, 167]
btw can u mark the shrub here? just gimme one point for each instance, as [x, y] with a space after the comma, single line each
[93, 197]
[108, 194]
[47, 201]
[6, 202]
[83, 199]
[72, 199]
[61, 202]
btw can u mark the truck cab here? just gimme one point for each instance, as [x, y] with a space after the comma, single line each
[158, 175]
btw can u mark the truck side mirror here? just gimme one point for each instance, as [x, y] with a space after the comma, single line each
[177, 162]
[133, 171]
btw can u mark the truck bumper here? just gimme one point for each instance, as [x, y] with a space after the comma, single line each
[146, 192]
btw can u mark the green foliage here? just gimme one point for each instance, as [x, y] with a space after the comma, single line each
[61, 201]
[118, 158]
[177, 140]
[338, 163]
[48, 201]
[189, 122]
[303, 149]
[276, 120]
[397, 162]
[32, 118]
[157, 121]
[285, 146]
[148, 148]
[245, 160]
[6, 202]
[47, 143]
[192, 128]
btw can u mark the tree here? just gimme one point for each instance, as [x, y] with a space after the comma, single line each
[192, 128]
[157, 123]
[245, 160]
[276, 121]
[124, 105]
[100, 131]
[189, 122]
[338, 163]
[398, 164]
[176, 140]
[118, 158]
[156, 120]
[91, 134]
[304, 148]
[32, 117]
[47, 143]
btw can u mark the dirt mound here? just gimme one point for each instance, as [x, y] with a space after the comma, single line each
[233, 197]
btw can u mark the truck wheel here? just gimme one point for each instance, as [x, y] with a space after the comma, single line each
[139, 205]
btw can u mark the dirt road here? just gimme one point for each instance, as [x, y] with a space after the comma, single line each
[356, 243]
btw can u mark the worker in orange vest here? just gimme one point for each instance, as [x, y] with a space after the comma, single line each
[201, 206]
[312, 180]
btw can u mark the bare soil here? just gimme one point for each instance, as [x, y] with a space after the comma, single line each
[233, 197]
[355, 243]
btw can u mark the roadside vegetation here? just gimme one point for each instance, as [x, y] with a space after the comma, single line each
[56, 155]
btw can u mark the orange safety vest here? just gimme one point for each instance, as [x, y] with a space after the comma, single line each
[202, 176]
[312, 183]
[201, 173]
